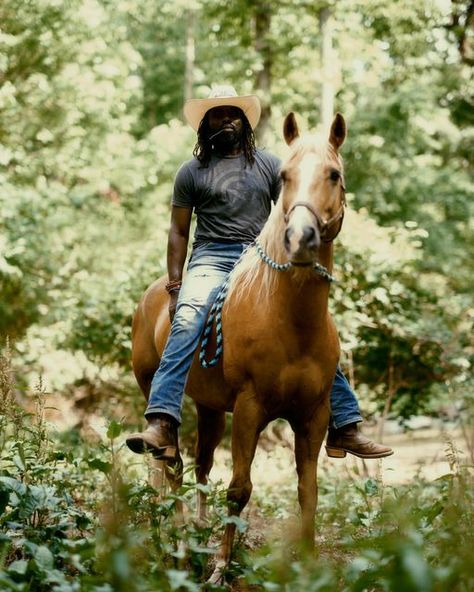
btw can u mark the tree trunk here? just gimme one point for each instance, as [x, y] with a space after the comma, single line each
[190, 56]
[263, 79]
[327, 82]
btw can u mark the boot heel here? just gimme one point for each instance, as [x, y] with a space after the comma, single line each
[335, 452]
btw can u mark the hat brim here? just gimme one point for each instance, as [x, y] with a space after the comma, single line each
[195, 109]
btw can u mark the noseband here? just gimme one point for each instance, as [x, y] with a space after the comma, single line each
[322, 225]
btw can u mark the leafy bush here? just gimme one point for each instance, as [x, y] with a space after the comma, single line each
[76, 516]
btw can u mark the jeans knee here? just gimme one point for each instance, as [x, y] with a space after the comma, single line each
[186, 316]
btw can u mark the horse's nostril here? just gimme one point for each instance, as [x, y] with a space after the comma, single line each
[310, 237]
[288, 233]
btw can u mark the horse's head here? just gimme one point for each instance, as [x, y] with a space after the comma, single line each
[313, 192]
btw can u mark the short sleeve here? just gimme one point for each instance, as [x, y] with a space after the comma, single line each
[183, 192]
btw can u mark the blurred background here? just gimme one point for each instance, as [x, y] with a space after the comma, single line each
[91, 136]
[92, 133]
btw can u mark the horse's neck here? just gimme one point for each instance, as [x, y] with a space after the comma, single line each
[302, 297]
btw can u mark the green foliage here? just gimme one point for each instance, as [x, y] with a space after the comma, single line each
[90, 139]
[75, 516]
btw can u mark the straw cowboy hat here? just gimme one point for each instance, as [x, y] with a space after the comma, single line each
[195, 109]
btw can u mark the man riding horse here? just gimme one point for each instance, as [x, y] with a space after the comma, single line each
[230, 185]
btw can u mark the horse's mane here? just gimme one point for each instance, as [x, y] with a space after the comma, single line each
[251, 269]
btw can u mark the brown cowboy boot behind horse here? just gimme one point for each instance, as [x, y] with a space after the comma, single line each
[160, 437]
[348, 439]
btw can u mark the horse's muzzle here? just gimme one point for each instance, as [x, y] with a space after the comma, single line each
[302, 243]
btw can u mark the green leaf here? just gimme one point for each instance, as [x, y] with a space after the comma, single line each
[4, 499]
[120, 564]
[18, 567]
[240, 523]
[418, 572]
[371, 487]
[114, 430]
[100, 465]
[44, 558]
[13, 485]
[179, 579]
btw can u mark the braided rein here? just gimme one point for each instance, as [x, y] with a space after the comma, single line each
[317, 267]
[216, 309]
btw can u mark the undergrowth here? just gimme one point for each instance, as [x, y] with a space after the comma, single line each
[76, 516]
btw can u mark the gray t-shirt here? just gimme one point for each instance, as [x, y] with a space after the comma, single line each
[231, 199]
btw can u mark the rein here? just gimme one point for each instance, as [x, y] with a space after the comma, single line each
[215, 313]
[317, 267]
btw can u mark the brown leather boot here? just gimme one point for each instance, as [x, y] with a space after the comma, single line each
[160, 437]
[349, 439]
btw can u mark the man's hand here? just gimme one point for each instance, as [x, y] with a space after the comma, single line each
[173, 302]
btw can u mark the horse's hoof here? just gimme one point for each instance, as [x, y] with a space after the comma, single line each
[217, 577]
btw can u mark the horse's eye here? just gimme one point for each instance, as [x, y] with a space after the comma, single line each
[283, 176]
[334, 175]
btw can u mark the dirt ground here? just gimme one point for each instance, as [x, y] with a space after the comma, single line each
[424, 453]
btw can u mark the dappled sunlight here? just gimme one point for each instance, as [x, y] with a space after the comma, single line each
[380, 245]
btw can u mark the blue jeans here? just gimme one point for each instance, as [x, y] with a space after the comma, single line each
[208, 268]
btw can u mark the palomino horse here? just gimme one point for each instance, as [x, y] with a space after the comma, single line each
[280, 344]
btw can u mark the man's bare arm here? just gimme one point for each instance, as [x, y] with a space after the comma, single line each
[178, 239]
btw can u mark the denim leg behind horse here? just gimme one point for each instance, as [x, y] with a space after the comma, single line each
[207, 270]
[344, 405]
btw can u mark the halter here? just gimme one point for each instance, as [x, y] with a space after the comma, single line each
[322, 225]
[317, 267]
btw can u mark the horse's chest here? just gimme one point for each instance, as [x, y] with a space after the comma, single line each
[290, 387]
[285, 370]
[295, 384]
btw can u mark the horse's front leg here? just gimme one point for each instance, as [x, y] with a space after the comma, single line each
[309, 435]
[249, 419]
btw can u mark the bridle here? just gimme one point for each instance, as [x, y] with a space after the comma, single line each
[323, 225]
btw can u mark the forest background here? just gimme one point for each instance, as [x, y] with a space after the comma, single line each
[92, 133]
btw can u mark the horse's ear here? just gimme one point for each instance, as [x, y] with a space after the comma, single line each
[290, 128]
[337, 134]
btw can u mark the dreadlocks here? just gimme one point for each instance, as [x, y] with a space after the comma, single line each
[203, 148]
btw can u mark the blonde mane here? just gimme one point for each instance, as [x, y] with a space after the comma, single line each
[251, 267]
